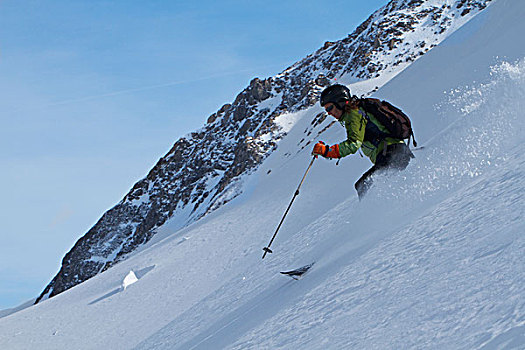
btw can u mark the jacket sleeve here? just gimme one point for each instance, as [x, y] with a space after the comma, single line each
[355, 125]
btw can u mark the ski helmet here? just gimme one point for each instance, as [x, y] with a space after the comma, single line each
[335, 94]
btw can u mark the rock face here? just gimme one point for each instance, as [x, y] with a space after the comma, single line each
[203, 170]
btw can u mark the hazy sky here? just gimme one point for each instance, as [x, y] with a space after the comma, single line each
[93, 93]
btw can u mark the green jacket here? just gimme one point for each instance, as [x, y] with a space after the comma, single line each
[355, 124]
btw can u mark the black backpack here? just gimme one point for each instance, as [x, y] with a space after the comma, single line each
[392, 118]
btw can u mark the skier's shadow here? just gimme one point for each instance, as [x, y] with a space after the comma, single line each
[139, 273]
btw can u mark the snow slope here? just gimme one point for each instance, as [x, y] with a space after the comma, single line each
[432, 258]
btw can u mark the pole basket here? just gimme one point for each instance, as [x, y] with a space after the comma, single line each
[266, 251]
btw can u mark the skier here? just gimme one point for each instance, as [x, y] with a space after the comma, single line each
[364, 132]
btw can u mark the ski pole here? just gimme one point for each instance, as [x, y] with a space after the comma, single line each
[267, 249]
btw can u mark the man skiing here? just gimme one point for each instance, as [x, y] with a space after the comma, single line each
[364, 132]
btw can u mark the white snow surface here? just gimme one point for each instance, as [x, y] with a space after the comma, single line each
[433, 258]
[129, 280]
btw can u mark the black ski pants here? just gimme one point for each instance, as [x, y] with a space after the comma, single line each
[396, 156]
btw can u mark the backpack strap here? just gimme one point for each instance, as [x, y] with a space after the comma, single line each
[372, 132]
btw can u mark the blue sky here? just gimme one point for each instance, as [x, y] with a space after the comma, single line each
[93, 93]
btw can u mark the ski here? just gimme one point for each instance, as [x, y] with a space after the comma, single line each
[295, 274]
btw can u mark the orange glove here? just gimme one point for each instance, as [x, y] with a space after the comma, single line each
[326, 151]
[320, 149]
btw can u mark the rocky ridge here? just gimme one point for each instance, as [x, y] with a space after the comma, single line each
[204, 169]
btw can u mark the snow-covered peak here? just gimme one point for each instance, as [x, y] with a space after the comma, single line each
[389, 40]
